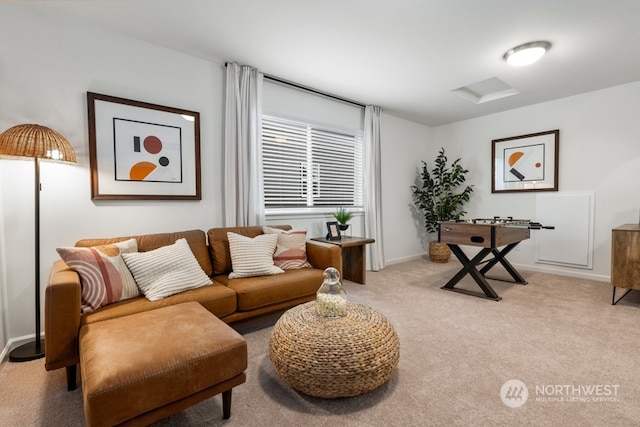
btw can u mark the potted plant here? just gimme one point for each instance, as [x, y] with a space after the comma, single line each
[439, 198]
[343, 216]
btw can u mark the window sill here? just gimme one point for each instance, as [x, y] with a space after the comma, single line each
[307, 213]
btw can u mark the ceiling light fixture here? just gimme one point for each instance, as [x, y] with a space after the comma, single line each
[527, 53]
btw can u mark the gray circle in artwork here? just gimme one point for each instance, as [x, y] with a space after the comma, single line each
[163, 161]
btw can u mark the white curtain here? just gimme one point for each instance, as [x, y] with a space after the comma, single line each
[372, 187]
[243, 195]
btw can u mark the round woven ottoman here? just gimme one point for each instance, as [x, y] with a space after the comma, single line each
[333, 358]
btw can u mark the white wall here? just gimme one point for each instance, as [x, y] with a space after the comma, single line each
[48, 66]
[404, 144]
[285, 101]
[599, 153]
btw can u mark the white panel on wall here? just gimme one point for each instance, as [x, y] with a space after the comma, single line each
[570, 244]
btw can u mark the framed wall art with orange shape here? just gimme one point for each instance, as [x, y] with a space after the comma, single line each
[139, 150]
[525, 162]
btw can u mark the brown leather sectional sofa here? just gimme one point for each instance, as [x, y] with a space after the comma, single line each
[231, 300]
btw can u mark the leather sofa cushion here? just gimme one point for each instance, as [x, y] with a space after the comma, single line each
[218, 299]
[261, 291]
[196, 239]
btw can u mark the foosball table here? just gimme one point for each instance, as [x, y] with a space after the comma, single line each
[490, 235]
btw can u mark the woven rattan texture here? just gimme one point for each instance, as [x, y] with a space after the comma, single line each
[333, 358]
[36, 141]
[439, 253]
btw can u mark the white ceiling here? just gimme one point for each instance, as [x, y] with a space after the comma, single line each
[403, 55]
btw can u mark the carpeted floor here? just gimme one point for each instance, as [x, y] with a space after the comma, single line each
[575, 353]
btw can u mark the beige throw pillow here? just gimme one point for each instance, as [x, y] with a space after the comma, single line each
[252, 256]
[166, 271]
[291, 248]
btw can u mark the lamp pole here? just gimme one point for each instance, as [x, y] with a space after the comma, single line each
[34, 349]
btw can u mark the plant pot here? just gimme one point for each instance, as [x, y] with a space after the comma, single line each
[343, 227]
[439, 252]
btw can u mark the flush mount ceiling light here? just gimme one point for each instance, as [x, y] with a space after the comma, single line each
[527, 53]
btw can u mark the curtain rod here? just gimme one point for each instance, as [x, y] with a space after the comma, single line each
[308, 89]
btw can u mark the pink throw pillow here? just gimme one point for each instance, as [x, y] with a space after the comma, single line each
[291, 248]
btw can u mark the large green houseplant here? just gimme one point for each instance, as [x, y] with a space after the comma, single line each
[440, 196]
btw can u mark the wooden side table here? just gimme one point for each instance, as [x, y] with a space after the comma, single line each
[354, 256]
[625, 259]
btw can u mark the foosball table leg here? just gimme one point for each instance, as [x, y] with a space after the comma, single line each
[469, 267]
[500, 256]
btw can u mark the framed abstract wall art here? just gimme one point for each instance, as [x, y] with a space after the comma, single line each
[142, 151]
[525, 162]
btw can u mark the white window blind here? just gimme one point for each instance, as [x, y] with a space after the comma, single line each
[306, 165]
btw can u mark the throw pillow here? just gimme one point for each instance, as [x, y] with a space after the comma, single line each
[104, 277]
[166, 271]
[252, 256]
[291, 248]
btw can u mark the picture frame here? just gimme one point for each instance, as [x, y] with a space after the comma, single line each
[525, 162]
[333, 232]
[142, 151]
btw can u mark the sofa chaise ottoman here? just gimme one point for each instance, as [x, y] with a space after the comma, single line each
[143, 367]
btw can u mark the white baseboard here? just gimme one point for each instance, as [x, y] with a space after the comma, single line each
[578, 273]
[14, 343]
[4, 353]
[406, 259]
[540, 268]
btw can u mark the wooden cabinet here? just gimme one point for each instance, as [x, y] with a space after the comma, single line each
[625, 258]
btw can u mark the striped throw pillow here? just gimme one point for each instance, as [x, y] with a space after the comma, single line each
[252, 256]
[291, 248]
[166, 271]
[103, 274]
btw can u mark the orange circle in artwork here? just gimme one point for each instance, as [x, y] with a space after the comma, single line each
[538, 164]
[152, 144]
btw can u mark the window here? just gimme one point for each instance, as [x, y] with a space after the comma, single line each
[310, 166]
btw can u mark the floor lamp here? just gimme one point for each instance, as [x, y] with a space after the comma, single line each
[37, 142]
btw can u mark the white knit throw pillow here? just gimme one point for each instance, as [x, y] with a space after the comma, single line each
[166, 271]
[252, 256]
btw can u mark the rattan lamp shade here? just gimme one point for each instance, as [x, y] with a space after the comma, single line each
[36, 141]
